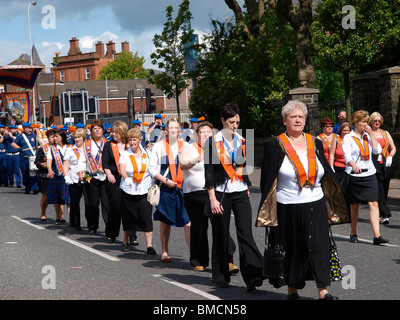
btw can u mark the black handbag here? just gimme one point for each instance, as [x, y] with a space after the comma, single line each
[274, 263]
[336, 268]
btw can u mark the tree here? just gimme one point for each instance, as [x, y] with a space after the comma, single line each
[300, 18]
[126, 66]
[170, 53]
[348, 50]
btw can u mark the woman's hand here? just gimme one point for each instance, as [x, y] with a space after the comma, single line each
[111, 178]
[170, 184]
[216, 207]
[356, 169]
[50, 174]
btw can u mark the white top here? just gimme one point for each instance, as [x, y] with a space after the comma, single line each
[100, 174]
[351, 151]
[288, 189]
[137, 188]
[61, 150]
[157, 153]
[74, 163]
[237, 185]
[194, 177]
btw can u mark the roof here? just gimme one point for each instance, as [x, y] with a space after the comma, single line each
[116, 88]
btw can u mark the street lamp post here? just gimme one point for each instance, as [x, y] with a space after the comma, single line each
[34, 3]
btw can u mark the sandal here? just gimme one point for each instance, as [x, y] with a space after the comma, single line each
[58, 221]
[166, 258]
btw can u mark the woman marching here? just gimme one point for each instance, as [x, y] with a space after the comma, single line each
[136, 211]
[228, 189]
[383, 163]
[358, 147]
[296, 182]
[336, 157]
[58, 189]
[74, 176]
[327, 136]
[170, 210]
[111, 155]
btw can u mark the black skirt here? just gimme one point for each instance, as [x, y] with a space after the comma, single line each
[304, 232]
[362, 189]
[136, 213]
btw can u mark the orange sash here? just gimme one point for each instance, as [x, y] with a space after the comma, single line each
[58, 160]
[228, 167]
[115, 151]
[176, 173]
[302, 178]
[385, 149]
[138, 175]
[364, 151]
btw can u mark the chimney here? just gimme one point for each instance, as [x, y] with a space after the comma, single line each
[100, 48]
[74, 46]
[110, 49]
[125, 46]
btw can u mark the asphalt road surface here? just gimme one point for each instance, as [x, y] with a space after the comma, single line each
[44, 261]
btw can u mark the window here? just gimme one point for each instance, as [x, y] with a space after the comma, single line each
[62, 75]
[87, 73]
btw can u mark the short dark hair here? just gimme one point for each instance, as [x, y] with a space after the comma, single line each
[63, 136]
[96, 122]
[203, 124]
[229, 110]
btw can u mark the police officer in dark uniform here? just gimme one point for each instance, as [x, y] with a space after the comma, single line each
[26, 143]
[12, 156]
[3, 159]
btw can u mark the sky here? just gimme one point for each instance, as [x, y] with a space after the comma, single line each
[55, 22]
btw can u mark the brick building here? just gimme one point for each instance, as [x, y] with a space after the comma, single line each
[78, 66]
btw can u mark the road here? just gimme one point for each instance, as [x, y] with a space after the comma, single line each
[44, 261]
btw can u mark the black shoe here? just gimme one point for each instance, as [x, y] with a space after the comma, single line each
[293, 296]
[77, 228]
[111, 239]
[92, 232]
[19, 187]
[134, 243]
[380, 240]
[36, 191]
[253, 283]
[151, 250]
[329, 297]
[353, 238]
[125, 247]
[26, 192]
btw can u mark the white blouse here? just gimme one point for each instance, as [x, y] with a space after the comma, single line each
[137, 188]
[288, 189]
[74, 163]
[194, 177]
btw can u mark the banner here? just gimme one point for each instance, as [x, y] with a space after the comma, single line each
[17, 105]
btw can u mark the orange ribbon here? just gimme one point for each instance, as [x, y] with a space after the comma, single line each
[364, 151]
[138, 175]
[176, 173]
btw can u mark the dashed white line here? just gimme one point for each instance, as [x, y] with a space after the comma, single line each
[187, 287]
[28, 223]
[80, 245]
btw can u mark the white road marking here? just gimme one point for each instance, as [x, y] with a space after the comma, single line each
[80, 245]
[187, 287]
[28, 223]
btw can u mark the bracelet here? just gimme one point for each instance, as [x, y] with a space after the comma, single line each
[166, 180]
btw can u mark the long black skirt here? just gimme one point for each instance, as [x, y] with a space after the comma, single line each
[304, 232]
[136, 213]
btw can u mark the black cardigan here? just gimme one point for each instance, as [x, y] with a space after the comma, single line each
[108, 159]
[215, 174]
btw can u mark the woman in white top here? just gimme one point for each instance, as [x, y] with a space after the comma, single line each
[135, 183]
[58, 190]
[358, 147]
[74, 176]
[170, 210]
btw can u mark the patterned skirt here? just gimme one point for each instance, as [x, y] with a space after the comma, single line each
[58, 191]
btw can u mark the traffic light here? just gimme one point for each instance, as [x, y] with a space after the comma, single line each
[38, 113]
[149, 106]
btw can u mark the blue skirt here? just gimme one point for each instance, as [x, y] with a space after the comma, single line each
[171, 209]
[58, 191]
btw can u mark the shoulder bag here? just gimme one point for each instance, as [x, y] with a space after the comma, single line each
[153, 194]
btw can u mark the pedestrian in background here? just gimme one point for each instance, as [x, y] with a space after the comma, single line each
[12, 156]
[336, 157]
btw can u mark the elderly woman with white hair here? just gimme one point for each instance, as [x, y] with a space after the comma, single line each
[296, 184]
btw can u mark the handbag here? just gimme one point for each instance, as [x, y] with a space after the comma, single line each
[274, 263]
[336, 268]
[153, 194]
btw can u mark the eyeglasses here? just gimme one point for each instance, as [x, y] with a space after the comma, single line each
[328, 126]
[377, 121]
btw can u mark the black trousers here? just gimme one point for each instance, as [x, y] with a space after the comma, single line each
[114, 194]
[95, 192]
[199, 247]
[75, 195]
[250, 259]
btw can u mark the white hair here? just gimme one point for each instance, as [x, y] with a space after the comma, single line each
[294, 105]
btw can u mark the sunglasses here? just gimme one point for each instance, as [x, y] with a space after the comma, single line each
[377, 121]
[328, 126]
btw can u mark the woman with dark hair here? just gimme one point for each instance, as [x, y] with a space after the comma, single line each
[228, 189]
[95, 188]
[336, 157]
[327, 135]
[58, 190]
